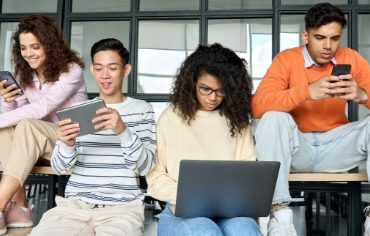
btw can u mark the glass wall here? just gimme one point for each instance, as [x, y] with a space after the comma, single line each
[34, 6]
[6, 31]
[252, 40]
[291, 29]
[364, 48]
[85, 33]
[161, 33]
[100, 6]
[159, 56]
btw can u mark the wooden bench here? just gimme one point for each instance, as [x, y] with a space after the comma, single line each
[349, 183]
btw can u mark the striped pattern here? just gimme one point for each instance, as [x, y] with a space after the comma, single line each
[106, 166]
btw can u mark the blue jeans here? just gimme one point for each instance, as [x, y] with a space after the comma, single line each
[340, 149]
[170, 225]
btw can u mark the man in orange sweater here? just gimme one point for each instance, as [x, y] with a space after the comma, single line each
[302, 109]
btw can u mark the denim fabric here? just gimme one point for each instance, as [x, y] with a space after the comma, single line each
[170, 225]
[340, 149]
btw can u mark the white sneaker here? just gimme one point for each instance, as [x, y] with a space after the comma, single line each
[366, 212]
[367, 226]
[281, 223]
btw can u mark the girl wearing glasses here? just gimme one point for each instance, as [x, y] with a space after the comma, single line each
[209, 118]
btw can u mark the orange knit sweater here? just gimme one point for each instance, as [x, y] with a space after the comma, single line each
[285, 88]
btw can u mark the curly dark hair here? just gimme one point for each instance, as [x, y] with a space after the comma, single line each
[323, 14]
[58, 53]
[231, 72]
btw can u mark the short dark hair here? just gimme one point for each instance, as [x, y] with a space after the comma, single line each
[322, 14]
[110, 44]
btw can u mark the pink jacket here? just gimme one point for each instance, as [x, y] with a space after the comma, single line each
[44, 102]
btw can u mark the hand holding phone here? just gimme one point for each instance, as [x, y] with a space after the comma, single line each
[10, 80]
[341, 69]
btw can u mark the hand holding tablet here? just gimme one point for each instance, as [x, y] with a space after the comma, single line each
[82, 114]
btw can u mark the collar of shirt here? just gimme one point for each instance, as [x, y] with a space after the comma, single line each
[308, 61]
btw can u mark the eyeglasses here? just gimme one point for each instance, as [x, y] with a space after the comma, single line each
[206, 91]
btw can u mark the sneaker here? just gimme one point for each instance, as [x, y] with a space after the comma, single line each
[367, 221]
[281, 223]
[3, 228]
[367, 226]
[17, 217]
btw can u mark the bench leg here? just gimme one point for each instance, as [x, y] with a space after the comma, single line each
[354, 211]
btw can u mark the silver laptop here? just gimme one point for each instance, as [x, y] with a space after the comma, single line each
[223, 189]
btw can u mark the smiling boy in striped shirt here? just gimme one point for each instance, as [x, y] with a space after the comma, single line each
[102, 195]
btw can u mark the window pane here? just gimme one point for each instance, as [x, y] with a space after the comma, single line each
[100, 6]
[85, 34]
[363, 1]
[312, 2]
[168, 5]
[34, 6]
[291, 30]
[239, 4]
[249, 38]
[158, 108]
[364, 49]
[6, 42]
[163, 46]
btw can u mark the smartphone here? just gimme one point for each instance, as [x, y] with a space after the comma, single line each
[341, 69]
[6, 75]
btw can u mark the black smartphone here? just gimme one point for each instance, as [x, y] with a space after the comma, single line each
[341, 69]
[6, 75]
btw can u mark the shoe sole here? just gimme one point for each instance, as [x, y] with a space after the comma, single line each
[20, 225]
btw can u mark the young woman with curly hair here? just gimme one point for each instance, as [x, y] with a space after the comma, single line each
[50, 76]
[209, 118]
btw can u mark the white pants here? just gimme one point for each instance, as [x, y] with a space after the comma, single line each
[76, 217]
[337, 150]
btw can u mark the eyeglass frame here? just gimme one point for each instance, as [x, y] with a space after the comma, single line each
[216, 91]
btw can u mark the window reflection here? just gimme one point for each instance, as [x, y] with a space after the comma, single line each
[100, 6]
[291, 29]
[239, 4]
[252, 40]
[364, 49]
[168, 5]
[85, 34]
[163, 46]
[6, 42]
[34, 6]
[312, 2]
[158, 108]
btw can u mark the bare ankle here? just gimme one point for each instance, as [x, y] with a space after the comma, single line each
[279, 206]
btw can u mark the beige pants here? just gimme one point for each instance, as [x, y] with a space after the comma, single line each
[23, 145]
[73, 217]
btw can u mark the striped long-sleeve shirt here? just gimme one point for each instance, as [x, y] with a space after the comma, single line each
[106, 166]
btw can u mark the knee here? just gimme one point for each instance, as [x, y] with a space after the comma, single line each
[172, 225]
[241, 225]
[274, 120]
[25, 124]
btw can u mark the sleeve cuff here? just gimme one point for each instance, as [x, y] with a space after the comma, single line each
[65, 150]
[8, 105]
[367, 102]
[126, 136]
